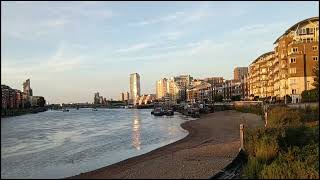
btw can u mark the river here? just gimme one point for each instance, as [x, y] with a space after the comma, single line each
[56, 144]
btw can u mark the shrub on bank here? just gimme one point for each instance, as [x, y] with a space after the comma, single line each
[310, 113]
[252, 169]
[262, 143]
[310, 95]
[282, 152]
[302, 163]
[255, 109]
[284, 116]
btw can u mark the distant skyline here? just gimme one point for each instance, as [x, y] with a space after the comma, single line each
[70, 50]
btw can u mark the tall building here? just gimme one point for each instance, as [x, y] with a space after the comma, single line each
[239, 72]
[126, 96]
[121, 98]
[134, 86]
[26, 88]
[261, 81]
[199, 92]
[96, 99]
[161, 88]
[288, 70]
[175, 91]
[183, 80]
[214, 80]
[297, 53]
[11, 98]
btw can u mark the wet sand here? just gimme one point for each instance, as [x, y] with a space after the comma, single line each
[212, 143]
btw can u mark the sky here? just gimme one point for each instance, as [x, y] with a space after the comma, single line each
[70, 50]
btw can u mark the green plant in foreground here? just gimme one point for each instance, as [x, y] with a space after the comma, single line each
[282, 153]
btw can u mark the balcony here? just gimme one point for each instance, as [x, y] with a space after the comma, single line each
[283, 66]
[283, 56]
[295, 53]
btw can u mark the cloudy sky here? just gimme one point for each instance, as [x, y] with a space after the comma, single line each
[70, 50]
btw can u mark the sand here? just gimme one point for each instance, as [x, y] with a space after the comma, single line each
[212, 143]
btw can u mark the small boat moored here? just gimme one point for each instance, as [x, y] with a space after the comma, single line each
[158, 111]
[169, 112]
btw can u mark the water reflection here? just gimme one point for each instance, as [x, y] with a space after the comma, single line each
[136, 130]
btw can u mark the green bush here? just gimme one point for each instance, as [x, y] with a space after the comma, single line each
[282, 153]
[310, 95]
[236, 98]
[297, 163]
[252, 169]
[300, 137]
[255, 109]
[267, 148]
[257, 139]
[284, 116]
[310, 113]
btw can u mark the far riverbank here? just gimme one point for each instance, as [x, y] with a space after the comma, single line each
[18, 112]
[212, 143]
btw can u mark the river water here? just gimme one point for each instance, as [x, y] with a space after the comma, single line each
[56, 144]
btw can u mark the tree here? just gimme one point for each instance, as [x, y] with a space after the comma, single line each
[236, 98]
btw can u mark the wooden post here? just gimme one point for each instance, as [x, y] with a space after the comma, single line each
[266, 118]
[241, 137]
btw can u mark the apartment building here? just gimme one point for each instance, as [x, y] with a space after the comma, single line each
[239, 72]
[161, 88]
[288, 70]
[261, 81]
[199, 92]
[297, 53]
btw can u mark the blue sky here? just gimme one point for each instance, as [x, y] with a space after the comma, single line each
[70, 50]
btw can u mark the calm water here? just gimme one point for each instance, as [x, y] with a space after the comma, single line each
[56, 144]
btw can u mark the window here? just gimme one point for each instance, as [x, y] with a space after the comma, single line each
[292, 60]
[315, 48]
[303, 31]
[292, 81]
[300, 31]
[294, 91]
[311, 31]
[295, 49]
[292, 70]
[315, 58]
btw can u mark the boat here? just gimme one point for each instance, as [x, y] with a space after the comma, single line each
[94, 109]
[169, 112]
[65, 110]
[152, 112]
[158, 111]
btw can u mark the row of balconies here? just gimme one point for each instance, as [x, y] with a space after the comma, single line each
[295, 53]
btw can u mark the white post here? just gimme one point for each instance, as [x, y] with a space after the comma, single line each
[241, 137]
[266, 118]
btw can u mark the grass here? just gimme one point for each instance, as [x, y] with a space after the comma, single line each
[288, 148]
[255, 109]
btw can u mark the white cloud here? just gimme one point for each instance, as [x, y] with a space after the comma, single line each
[135, 47]
[39, 20]
[60, 62]
[167, 18]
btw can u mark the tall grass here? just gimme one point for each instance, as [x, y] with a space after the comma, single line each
[286, 149]
[255, 109]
